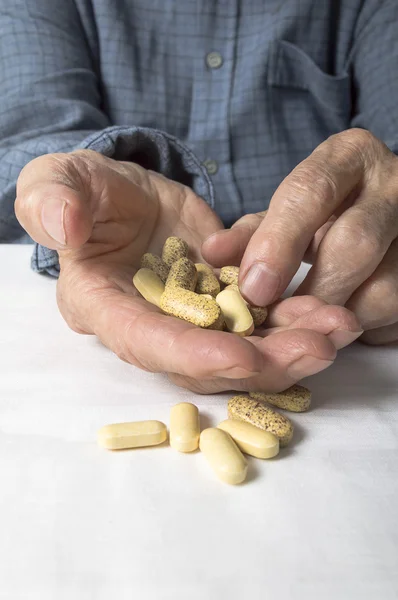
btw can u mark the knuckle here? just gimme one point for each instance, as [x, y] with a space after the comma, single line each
[388, 183]
[73, 172]
[312, 177]
[362, 143]
[382, 294]
[359, 239]
[356, 136]
[370, 242]
[356, 140]
[356, 147]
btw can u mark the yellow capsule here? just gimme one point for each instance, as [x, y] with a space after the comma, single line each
[184, 427]
[250, 439]
[207, 282]
[223, 455]
[258, 313]
[236, 314]
[137, 434]
[149, 285]
[296, 398]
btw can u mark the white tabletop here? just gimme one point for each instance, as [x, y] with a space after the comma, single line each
[79, 522]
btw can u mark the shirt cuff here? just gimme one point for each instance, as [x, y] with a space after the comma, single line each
[151, 149]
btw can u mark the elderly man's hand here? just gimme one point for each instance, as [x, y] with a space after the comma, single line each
[102, 216]
[339, 210]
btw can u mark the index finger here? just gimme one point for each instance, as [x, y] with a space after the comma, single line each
[304, 201]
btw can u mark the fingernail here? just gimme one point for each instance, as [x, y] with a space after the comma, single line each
[260, 285]
[236, 373]
[306, 366]
[52, 219]
[342, 337]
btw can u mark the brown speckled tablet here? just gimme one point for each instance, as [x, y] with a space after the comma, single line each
[248, 409]
[153, 262]
[207, 281]
[219, 325]
[191, 307]
[229, 275]
[259, 314]
[296, 399]
[173, 249]
[182, 274]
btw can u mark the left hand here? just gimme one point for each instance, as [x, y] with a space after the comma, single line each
[338, 209]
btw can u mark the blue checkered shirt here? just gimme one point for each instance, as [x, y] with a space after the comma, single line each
[226, 96]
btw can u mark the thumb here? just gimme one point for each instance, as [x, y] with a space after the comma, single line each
[52, 201]
[227, 246]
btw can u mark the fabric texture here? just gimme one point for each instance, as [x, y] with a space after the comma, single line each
[250, 87]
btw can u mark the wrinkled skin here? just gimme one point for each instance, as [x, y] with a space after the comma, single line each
[338, 209]
[101, 216]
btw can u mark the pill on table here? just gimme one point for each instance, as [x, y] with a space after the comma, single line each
[137, 434]
[229, 275]
[153, 262]
[191, 307]
[223, 455]
[149, 285]
[173, 249]
[258, 313]
[250, 439]
[182, 274]
[250, 410]
[184, 427]
[236, 314]
[207, 282]
[296, 398]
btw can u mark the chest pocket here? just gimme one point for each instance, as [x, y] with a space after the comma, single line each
[304, 97]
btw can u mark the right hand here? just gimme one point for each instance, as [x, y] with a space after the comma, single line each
[101, 216]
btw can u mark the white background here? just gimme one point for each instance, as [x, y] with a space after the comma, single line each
[78, 522]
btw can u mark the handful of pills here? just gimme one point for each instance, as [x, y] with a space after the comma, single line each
[252, 428]
[192, 292]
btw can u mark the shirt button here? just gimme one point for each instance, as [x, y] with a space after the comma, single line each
[214, 60]
[211, 166]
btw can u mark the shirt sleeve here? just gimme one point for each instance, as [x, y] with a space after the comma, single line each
[374, 63]
[50, 101]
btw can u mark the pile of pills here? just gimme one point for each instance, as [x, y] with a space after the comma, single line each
[252, 428]
[192, 292]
